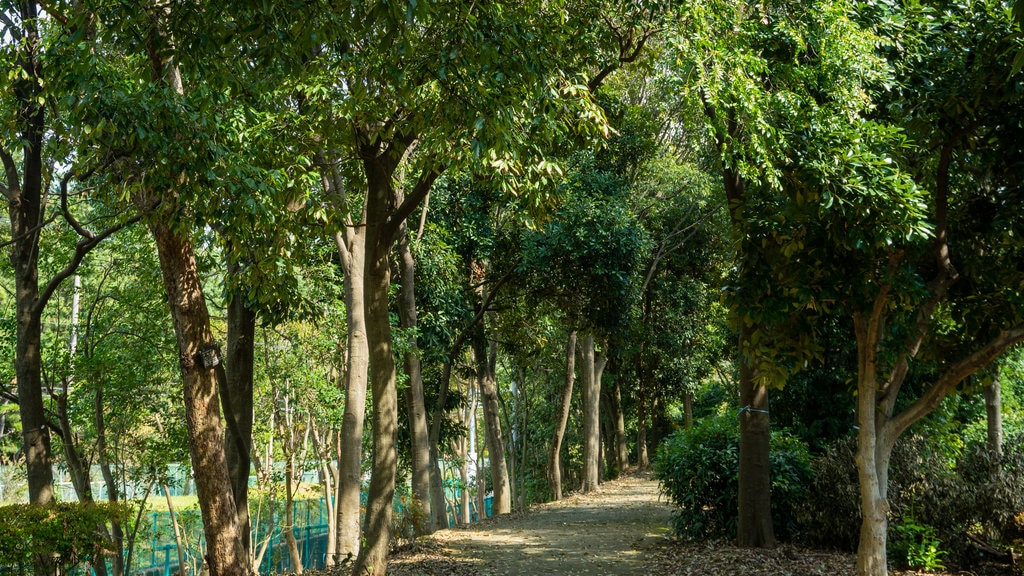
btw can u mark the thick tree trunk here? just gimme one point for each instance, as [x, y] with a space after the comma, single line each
[755, 519]
[872, 472]
[415, 403]
[237, 402]
[873, 450]
[372, 557]
[197, 352]
[555, 453]
[485, 361]
[350, 462]
[25, 209]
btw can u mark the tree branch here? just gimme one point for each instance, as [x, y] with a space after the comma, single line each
[12, 28]
[389, 230]
[11, 171]
[953, 376]
[83, 247]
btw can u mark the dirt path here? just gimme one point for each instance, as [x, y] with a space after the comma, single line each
[602, 534]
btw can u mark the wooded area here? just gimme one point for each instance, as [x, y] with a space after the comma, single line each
[449, 249]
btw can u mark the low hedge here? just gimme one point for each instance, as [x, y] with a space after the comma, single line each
[65, 532]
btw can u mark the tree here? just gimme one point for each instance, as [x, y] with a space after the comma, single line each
[26, 189]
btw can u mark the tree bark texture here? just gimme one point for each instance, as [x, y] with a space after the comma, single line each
[593, 366]
[754, 528]
[621, 449]
[485, 360]
[414, 400]
[372, 557]
[25, 209]
[994, 419]
[225, 554]
[350, 461]
[237, 402]
[437, 414]
[555, 452]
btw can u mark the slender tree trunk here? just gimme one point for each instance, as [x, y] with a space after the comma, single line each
[994, 421]
[485, 361]
[436, 483]
[621, 449]
[288, 528]
[113, 494]
[372, 557]
[182, 567]
[593, 366]
[642, 460]
[463, 515]
[688, 409]
[323, 444]
[555, 453]
[197, 351]
[415, 403]
[237, 402]
[350, 462]
[755, 520]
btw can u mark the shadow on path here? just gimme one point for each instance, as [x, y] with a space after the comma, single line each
[604, 533]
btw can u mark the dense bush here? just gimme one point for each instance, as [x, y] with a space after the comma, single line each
[830, 513]
[67, 532]
[933, 497]
[698, 471]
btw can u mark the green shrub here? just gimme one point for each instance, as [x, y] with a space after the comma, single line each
[830, 515]
[698, 471]
[933, 499]
[66, 531]
[973, 500]
[918, 545]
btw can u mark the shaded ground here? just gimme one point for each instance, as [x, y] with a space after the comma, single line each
[621, 530]
[607, 533]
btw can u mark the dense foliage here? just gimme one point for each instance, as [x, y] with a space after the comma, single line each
[698, 468]
[66, 532]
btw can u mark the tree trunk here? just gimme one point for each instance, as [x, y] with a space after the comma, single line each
[621, 449]
[642, 460]
[463, 514]
[197, 352]
[113, 494]
[436, 481]
[485, 361]
[182, 568]
[237, 402]
[688, 409]
[755, 519]
[994, 421]
[415, 403]
[288, 528]
[324, 443]
[25, 209]
[350, 462]
[555, 453]
[372, 557]
[593, 365]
